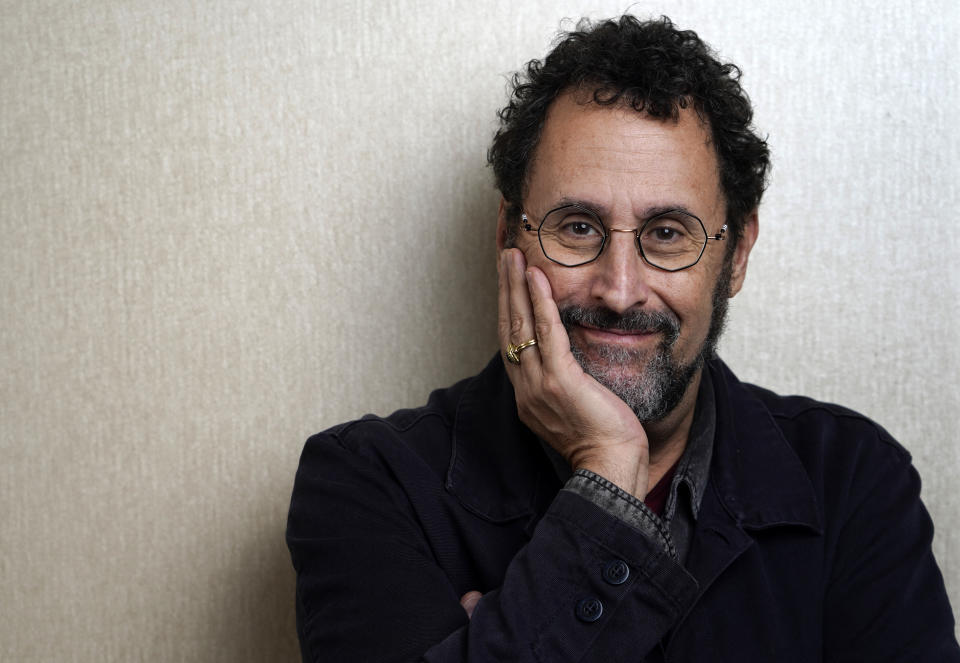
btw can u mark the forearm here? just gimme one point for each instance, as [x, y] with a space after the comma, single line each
[370, 593]
[560, 601]
[624, 506]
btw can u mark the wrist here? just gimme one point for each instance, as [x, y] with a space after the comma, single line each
[627, 474]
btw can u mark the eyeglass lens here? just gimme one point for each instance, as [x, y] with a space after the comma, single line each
[574, 236]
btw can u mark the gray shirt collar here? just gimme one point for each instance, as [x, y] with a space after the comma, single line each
[694, 466]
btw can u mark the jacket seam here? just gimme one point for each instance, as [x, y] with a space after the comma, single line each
[842, 413]
[344, 430]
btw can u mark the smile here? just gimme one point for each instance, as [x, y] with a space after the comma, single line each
[608, 336]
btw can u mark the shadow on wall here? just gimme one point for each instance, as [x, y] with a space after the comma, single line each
[255, 615]
[255, 618]
[462, 305]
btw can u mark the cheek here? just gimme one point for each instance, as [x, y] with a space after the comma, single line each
[569, 286]
[691, 299]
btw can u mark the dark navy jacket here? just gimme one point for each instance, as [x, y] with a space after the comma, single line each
[811, 544]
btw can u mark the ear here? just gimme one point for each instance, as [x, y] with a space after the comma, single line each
[751, 227]
[501, 226]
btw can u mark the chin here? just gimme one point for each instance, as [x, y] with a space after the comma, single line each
[651, 382]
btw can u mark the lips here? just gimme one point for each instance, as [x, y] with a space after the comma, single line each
[627, 339]
[617, 331]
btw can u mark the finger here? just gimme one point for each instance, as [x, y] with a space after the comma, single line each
[503, 302]
[503, 307]
[522, 322]
[552, 338]
[504, 319]
[516, 313]
[469, 602]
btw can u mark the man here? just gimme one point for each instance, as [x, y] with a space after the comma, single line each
[607, 490]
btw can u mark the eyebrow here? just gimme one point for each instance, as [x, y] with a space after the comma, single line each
[603, 211]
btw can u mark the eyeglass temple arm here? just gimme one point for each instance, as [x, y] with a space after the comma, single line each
[719, 235]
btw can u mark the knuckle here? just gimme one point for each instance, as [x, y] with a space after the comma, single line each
[551, 386]
[543, 328]
[523, 411]
[516, 324]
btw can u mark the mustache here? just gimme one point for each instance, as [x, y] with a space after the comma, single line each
[638, 320]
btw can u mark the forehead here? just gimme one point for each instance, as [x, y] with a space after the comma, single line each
[614, 157]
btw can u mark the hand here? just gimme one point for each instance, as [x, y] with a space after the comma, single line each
[576, 415]
[469, 601]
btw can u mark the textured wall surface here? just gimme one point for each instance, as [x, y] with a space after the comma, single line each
[226, 225]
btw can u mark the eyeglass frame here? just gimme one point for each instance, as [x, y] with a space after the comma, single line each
[636, 232]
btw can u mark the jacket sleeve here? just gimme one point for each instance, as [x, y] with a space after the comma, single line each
[370, 589]
[886, 600]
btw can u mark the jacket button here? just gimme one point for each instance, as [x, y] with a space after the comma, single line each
[589, 610]
[616, 572]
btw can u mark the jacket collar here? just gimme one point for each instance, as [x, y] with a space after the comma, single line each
[756, 474]
[498, 470]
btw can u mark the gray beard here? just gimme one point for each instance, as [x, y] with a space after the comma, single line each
[655, 392]
[662, 380]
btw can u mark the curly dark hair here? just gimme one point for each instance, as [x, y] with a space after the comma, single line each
[652, 67]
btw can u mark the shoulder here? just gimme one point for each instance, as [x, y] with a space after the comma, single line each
[809, 422]
[846, 456]
[372, 474]
[466, 444]
[809, 426]
[860, 476]
[410, 436]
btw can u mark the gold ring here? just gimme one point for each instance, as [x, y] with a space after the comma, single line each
[513, 351]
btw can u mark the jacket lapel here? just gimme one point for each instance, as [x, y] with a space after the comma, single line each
[756, 481]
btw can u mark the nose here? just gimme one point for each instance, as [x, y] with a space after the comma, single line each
[620, 282]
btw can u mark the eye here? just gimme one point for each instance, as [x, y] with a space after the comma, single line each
[665, 231]
[579, 227]
[571, 235]
[566, 225]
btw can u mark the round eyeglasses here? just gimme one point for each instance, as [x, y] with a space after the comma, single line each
[572, 235]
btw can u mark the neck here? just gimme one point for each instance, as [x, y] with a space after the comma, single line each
[667, 438]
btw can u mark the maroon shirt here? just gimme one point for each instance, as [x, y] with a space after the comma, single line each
[656, 499]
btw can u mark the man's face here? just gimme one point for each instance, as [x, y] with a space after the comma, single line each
[639, 330]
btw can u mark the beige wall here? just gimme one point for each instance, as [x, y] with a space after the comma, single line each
[228, 224]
